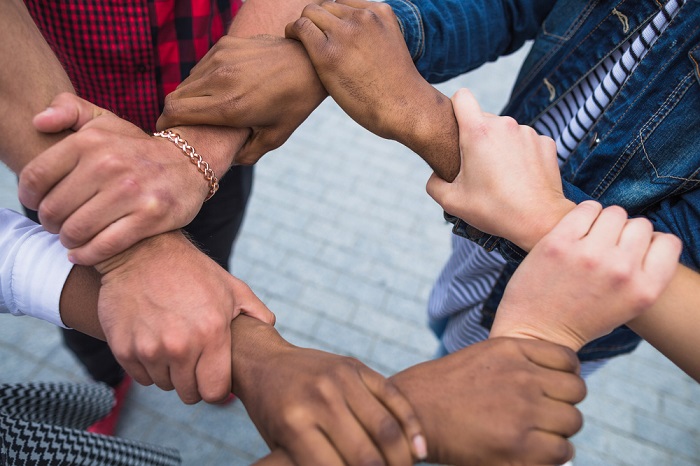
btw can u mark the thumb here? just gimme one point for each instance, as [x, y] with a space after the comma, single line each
[438, 189]
[66, 111]
[467, 109]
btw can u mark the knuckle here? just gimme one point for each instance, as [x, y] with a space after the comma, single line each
[111, 163]
[213, 393]
[294, 417]
[389, 431]
[74, 233]
[49, 215]
[106, 247]
[148, 351]
[32, 177]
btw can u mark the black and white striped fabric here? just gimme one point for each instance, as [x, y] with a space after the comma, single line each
[43, 424]
[574, 115]
[471, 272]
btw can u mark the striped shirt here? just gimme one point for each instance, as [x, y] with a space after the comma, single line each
[468, 277]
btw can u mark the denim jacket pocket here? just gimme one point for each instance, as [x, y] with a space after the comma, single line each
[566, 18]
[672, 157]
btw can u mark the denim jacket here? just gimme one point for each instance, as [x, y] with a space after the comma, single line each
[643, 153]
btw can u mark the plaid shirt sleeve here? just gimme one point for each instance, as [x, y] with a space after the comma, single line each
[128, 55]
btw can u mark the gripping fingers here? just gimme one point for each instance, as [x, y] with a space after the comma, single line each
[213, 371]
[402, 411]
[558, 418]
[546, 448]
[550, 356]
[116, 238]
[563, 386]
[313, 449]
[577, 223]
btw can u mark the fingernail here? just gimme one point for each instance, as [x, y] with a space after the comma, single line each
[71, 258]
[420, 447]
[48, 111]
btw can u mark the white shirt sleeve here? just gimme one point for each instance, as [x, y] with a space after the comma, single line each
[34, 267]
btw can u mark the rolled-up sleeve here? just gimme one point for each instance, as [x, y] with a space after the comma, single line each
[33, 269]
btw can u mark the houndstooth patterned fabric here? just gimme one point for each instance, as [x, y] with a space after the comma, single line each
[43, 424]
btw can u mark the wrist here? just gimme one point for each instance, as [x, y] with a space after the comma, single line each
[218, 145]
[143, 250]
[538, 224]
[435, 134]
[254, 345]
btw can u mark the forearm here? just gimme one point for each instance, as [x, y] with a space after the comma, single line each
[430, 130]
[79, 301]
[672, 325]
[30, 77]
[266, 17]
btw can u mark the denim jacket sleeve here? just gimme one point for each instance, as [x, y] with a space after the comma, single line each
[449, 37]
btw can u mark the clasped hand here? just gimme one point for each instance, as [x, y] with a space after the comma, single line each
[107, 185]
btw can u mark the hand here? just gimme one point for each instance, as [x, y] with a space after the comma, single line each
[109, 184]
[266, 83]
[322, 409]
[166, 311]
[509, 183]
[361, 57]
[595, 271]
[501, 401]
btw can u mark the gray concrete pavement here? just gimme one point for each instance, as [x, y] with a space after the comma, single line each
[342, 242]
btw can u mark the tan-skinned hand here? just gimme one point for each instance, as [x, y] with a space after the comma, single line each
[501, 401]
[265, 83]
[321, 408]
[109, 184]
[361, 57]
[166, 310]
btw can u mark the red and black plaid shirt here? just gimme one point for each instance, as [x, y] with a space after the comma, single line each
[127, 55]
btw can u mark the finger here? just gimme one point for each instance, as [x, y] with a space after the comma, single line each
[257, 145]
[438, 189]
[65, 198]
[45, 171]
[393, 443]
[550, 355]
[213, 370]
[308, 33]
[313, 449]
[662, 257]
[196, 109]
[184, 379]
[159, 373]
[546, 448]
[66, 111]
[93, 216]
[354, 437]
[116, 238]
[359, 4]
[607, 228]
[278, 457]
[339, 10]
[467, 110]
[136, 370]
[563, 386]
[558, 417]
[635, 239]
[577, 223]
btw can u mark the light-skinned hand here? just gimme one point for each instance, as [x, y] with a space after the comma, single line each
[109, 184]
[596, 270]
[509, 183]
[166, 310]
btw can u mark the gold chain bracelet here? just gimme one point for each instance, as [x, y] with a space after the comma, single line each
[195, 158]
